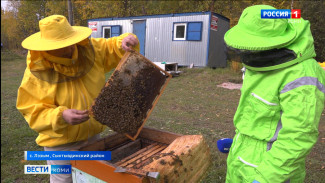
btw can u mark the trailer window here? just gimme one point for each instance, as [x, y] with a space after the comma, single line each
[180, 31]
[106, 32]
[187, 31]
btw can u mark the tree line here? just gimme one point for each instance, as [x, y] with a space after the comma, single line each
[20, 18]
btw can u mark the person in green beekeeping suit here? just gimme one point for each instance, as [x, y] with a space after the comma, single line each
[281, 102]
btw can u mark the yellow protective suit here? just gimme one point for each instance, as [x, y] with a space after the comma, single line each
[42, 102]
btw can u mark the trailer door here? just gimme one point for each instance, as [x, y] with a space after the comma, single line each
[139, 29]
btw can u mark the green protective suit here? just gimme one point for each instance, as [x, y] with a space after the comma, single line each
[278, 115]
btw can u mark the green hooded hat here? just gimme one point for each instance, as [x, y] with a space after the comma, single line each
[269, 44]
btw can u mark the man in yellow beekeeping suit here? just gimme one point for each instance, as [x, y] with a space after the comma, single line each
[64, 74]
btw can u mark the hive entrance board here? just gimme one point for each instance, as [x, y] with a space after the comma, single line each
[129, 96]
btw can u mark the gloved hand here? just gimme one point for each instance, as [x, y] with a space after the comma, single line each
[255, 181]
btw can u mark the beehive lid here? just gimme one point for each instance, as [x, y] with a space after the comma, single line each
[130, 94]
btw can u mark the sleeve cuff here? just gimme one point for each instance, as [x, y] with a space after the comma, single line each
[61, 121]
[119, 43]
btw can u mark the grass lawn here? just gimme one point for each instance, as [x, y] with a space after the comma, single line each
[191, 104]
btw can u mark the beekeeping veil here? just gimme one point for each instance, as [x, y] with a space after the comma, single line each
[57, 70]
[55, 33]
[268, 44]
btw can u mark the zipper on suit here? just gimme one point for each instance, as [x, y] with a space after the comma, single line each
[86, 104]
[235, 142]
[245, 162]
[263, 100]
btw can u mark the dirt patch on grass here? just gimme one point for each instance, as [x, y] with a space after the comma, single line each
[230, 86]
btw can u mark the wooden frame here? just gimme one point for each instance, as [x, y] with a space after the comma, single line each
[157, 98]
[118, 68]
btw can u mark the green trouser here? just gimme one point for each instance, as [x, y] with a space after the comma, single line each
[246, 154]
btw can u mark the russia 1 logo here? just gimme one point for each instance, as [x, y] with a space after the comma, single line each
[295, 13]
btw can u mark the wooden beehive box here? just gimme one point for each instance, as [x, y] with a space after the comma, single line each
[178, 158]
[129, 96]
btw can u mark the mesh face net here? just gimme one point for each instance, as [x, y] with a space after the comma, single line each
[261, 58]
[86, 58]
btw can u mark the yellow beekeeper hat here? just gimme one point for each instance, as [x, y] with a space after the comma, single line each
[55, 32]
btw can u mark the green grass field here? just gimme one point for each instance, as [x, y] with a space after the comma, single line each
[191, 104]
